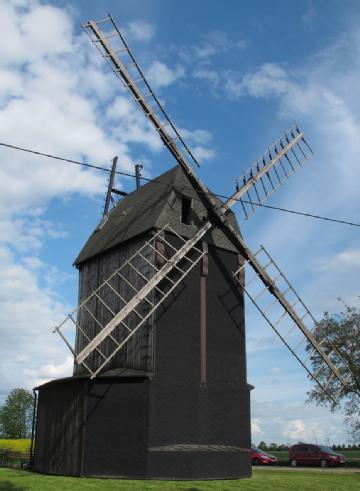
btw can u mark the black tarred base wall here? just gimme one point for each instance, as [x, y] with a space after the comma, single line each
[103, 428]
[87, 428]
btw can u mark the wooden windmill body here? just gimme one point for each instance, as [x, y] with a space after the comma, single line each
[159, 387]
[175, 402]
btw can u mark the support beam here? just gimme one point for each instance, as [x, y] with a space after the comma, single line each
[203, 335]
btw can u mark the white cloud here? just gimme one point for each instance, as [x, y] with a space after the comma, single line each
[139, 31]
[200, 137]
[213, 43]
[197, 139]
[267, 81]
[51, 371]
[255, 427]
[25, 34]
[130, 125]
[207, 74]
[202, 153]
[160, 75]
[283, 422]
[298, 430]
[27, 314]
[294, 429]
[347, 260]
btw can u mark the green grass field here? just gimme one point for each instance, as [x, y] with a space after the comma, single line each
[17, 480]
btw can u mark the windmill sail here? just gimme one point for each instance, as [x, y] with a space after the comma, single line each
[115, 51]
[217, 217]
[282, 159]
[292, 322]
[126, 314]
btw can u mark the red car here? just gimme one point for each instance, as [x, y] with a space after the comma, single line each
[259, 457]
[305, 453]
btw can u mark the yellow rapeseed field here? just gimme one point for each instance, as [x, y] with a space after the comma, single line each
[16, 445]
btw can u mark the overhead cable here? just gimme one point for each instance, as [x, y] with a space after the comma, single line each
[220, 196]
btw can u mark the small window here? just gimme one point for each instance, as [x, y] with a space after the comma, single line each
[186, 210]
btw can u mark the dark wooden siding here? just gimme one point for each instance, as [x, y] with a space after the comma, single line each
[59, 429]
[181, 409]
[138, 352]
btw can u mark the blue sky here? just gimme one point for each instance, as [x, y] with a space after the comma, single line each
[233, 75]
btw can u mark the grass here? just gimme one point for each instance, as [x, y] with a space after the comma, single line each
[17, 480]
[16, 445]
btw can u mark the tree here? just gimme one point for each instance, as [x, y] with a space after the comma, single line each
[341, 335]
[263, 445]
[16, 414]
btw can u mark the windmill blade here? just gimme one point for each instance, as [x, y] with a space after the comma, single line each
[131, 76]
[114, 49]
[292, 322]
[280, 161]
[127, 315]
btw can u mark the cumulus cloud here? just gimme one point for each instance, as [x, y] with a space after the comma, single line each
[160, 75]
[139, 31]
[269, 80]
[285, 422]
[297, 429]
[129, 123]
[255, 427]
[50, 371]
[199, 141]
[205, 73]
[343, 261]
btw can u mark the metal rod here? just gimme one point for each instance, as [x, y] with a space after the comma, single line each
[138, 168]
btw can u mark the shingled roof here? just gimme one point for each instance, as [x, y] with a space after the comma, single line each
[152, 206]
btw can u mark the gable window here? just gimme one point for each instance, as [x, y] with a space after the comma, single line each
[186, 210]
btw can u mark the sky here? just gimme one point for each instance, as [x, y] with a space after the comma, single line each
[233, 76]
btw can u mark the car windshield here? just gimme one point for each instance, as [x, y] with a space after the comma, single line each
[327, 450]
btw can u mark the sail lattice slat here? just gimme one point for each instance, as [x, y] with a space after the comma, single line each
[115, 313]
[279, 162]
[300, 336]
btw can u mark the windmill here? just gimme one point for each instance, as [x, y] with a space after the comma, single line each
[135, 272]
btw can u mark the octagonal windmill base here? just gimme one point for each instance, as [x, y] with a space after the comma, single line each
[132, 427]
